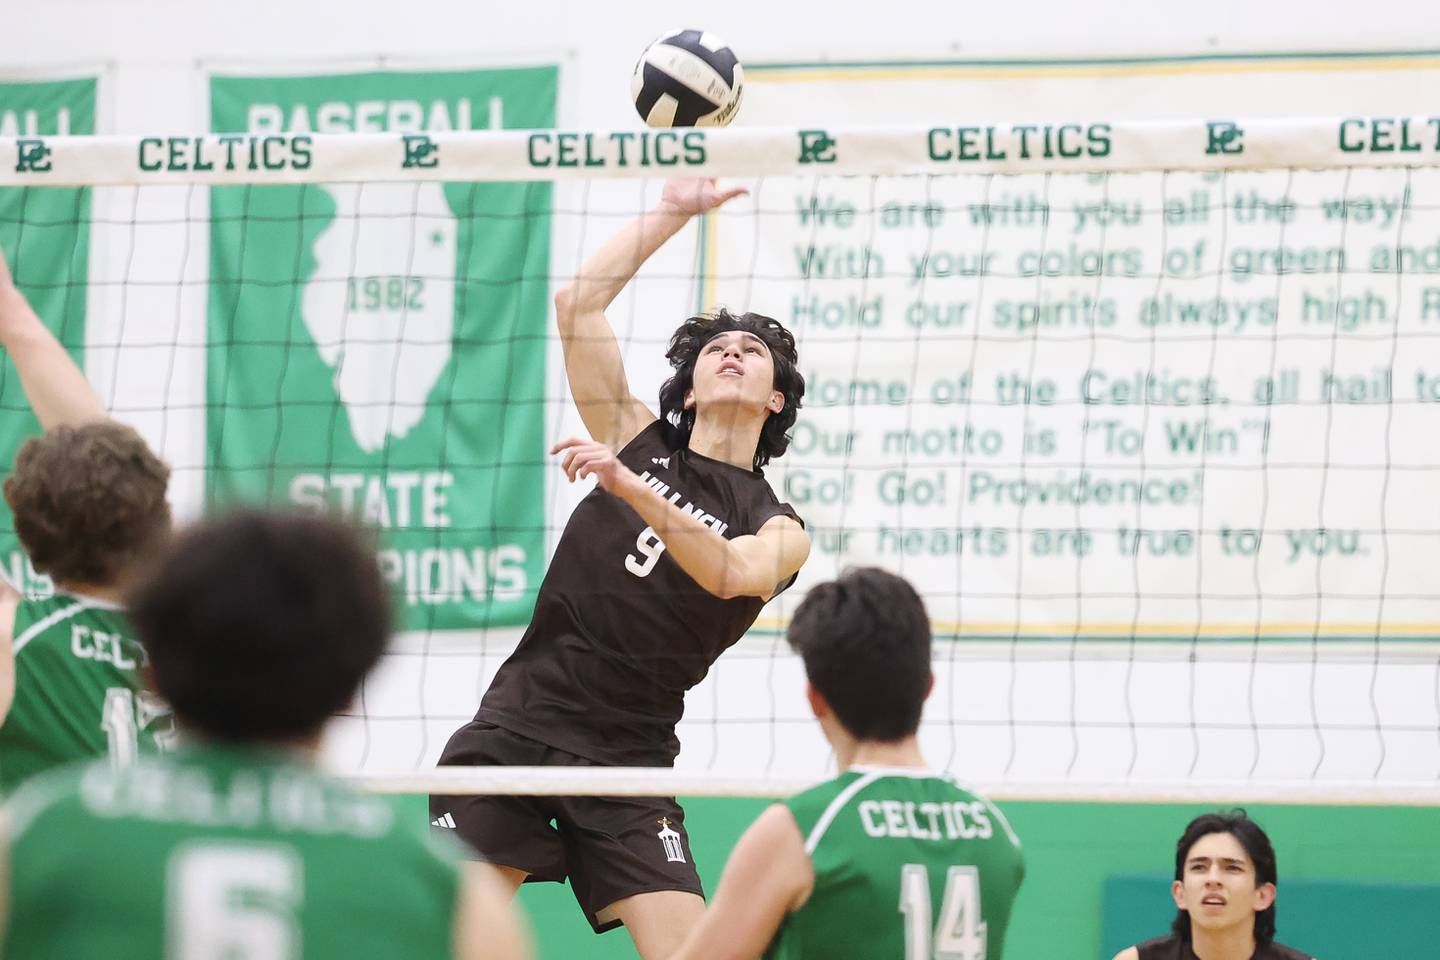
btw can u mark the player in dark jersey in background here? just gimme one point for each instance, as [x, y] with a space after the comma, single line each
[819, 876]
[1225, 877]
[259, 628]
[88, 498]
[660, 569]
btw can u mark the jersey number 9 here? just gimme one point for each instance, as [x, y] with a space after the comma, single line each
[649, 546]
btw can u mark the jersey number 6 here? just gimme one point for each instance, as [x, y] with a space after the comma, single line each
[649, 546]
[230, 900]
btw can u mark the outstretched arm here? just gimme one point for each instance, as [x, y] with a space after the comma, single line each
[593, 363]
[58, 392]
[767, 877]
[4, 873]
[488, 925]
[753, 565]
[9, 602]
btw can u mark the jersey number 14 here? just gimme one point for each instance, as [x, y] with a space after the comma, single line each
[960, 933]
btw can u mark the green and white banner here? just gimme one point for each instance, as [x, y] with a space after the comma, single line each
[275, 152]
[45, 234]
[379, 348]
[1194, 402]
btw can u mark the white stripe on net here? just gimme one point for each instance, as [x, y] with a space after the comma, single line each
[663, 781]
[511, 155]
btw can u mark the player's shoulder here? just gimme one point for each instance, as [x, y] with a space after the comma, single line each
[648, 441]
[351, 812]
[370, 817]
[10, 600]
[810, 805]
[846, 781]
[51, 797]
[40, 609]
[1000, 821]
[37, 613]
[10, 592]
[1166, 947]
[859, 782]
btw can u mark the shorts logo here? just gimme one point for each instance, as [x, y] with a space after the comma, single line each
[671, 840]
[444, 820]
[661, 461]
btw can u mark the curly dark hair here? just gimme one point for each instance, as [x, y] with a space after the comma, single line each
[260, 626]
[684, 350]
[88, 501]
[865, 642]
[1238, 824]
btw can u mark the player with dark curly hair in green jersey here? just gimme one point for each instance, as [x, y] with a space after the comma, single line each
[88, 500]
[259, 627]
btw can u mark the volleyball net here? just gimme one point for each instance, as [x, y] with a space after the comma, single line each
[1142, 410]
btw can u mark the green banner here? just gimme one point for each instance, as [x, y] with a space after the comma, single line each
[379, 349]
[45, 233]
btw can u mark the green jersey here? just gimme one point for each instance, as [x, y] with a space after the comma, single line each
[212, 852]
[77, 689]
[907, 864]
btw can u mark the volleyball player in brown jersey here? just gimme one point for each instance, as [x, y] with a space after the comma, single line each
[1225, 876]
[660, 569]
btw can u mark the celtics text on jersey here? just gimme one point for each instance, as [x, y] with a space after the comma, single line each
[77, 689]
[907, 864]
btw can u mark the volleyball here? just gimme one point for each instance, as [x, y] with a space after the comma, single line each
[688, 78]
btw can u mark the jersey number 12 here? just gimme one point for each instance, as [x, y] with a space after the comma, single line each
[122, 716]
[117, 719]
[960, 933]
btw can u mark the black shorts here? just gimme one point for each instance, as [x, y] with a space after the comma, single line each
[609, 848]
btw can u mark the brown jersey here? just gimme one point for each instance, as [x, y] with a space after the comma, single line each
[620, 632]
[1173, 948]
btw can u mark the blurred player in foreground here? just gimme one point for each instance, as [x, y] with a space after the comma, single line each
[259, 628]
[660, 569]
[819, 876]
[1224, 887]
[88, 498]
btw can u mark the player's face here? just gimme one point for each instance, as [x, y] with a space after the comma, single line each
[1218, 884]
[735, 367]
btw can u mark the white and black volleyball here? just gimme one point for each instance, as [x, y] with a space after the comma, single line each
[688, 78]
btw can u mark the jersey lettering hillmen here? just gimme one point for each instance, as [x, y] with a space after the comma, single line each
[620, 632]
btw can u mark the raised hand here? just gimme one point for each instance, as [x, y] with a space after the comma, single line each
[591, 458]
[692, 195]
[56, 388]
[7, 282]
[16, 317]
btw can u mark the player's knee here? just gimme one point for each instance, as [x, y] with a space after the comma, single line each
[658, 922]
